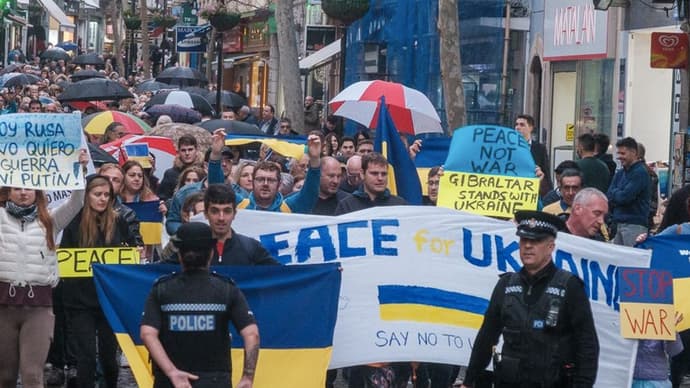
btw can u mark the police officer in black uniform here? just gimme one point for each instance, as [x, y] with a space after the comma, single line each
[544, 316]
[185, 320]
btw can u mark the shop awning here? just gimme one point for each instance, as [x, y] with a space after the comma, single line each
[320, 56]
[58, 14]
[17, 19]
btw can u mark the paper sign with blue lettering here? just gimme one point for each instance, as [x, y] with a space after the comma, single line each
[672, 253]
[417, 280]
[489, 171]
[646, 303]
[41, 151]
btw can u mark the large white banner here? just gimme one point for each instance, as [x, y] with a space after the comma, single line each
[394, 256]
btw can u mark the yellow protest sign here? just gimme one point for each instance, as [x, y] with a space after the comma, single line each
[76, 262]
[646, 303]
[489, 195]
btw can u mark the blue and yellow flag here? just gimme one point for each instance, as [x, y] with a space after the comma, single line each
[402, 174]
[433, 305]
[290, 146]
[672, 253]
[295, 308]
[150, 220]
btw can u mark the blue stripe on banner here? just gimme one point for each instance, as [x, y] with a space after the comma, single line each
[397, 294]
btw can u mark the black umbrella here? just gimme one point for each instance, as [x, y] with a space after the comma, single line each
[88, 59]
[182, 76]
[94, 89]
[55, 54]
[12, 68]
[234, 127]
[152, 85]
[227, 99]
[177, 113]
[186, 99]
[196, 90]
[86, 74]
[18, 79]
[99, 156]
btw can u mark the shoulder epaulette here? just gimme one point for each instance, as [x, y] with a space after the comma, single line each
[223, 277]
[165, 278]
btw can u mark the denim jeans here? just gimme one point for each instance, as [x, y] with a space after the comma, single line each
[627, 233]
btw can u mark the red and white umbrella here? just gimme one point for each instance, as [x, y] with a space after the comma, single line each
[162, 148]
[410, 109]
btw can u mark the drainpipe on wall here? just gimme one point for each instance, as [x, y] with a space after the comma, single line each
[504, 72]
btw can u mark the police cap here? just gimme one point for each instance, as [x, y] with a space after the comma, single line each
[536, 225]
[193, 236]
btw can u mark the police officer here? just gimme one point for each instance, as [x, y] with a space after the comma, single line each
[185, 320]
[544, 316]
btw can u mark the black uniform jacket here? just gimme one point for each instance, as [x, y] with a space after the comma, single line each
[577, 318]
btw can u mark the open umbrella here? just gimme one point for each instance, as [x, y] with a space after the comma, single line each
[186, 99]
[54, 54]
[177, 113]
[85, 106]
[88, 59]
[86, 74]
[94, 89]
[227, 99]
[11, 68]
[67, 46]
[152, 85]
[99, 156]
[410, 109]
[196, 90]
[182, 76]
[162, 148]
[18, 79]
[175, 130]
[95, 123]
[232, 127]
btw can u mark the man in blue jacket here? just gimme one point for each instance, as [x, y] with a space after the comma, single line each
[628, 194]
[266, 181]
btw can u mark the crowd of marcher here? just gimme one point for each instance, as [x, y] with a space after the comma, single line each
[59, 321]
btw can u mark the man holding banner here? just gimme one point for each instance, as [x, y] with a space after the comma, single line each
[544, 316]
[185, 321]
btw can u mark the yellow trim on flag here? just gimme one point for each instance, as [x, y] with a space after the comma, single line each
[429, 314]
[303, 368]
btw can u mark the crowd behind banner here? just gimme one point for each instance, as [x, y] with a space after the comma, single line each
[118, 214]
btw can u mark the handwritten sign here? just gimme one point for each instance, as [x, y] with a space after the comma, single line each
[489, 171]
[40, 151]
[489, 195]
[77, 262]
[646, 303]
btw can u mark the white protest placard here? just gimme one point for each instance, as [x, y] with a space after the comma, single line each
[440, 253]
[41, 151]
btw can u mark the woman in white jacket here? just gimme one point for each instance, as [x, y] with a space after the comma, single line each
[28, 272]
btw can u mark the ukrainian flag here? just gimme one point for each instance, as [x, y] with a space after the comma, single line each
[292, 146]
[430, 305]
[672, 253]
[295, 308]
[402, 173]
[150, 220]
